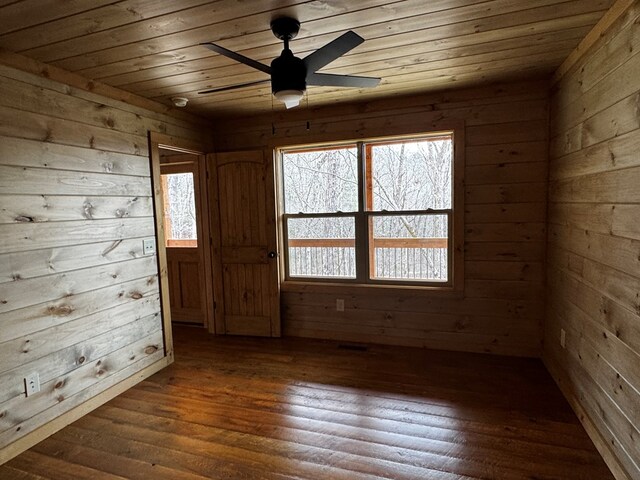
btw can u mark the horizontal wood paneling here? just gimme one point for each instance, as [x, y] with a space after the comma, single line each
[79, 303]
[594, 242]
[505, 222]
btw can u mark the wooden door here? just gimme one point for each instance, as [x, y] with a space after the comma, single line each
[185, 239]
[248, 246]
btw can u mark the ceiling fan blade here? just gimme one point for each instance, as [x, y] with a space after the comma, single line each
[329, 80]
[238, 58]
[233, 87]
[332, 50]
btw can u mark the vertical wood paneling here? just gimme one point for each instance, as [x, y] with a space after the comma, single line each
[505, 214]
[79, 303]
[594, 242]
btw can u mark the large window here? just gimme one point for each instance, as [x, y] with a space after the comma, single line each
[379, 211]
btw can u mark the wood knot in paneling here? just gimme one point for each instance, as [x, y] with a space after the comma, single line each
[151, 349]
[60, 310]
[87, 210]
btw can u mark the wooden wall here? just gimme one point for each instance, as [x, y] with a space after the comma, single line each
[594, 242]
[79, 303]
[505, 213]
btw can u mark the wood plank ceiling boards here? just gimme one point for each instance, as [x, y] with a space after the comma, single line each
[151, 48]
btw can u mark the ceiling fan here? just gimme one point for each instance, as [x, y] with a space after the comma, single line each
[290, 75]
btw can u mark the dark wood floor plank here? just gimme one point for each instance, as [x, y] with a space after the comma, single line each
[55, 469]
[266, 453]
[285, 409]
[134, 469]
[116, 442]
[437, 444]
[454, 456]
[218, 387]
[9, 472]
[432, 376]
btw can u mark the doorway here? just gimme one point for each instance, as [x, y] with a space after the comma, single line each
[216, 236]
[185, 231]
[183, 234]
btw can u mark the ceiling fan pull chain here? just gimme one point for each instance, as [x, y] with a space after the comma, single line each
[307, 100]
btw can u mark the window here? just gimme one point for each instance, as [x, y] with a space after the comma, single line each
[378, 211]
[179, 210]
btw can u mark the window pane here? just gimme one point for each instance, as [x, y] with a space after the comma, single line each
[411, 174]
[410, 247]
[322, 247]
[179, 210]
[321, 181]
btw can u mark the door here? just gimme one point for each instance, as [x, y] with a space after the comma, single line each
[184, 236]
[247, 220]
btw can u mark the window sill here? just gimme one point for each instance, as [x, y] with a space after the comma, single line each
[339, 288]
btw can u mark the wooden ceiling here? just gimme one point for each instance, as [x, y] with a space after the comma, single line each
[151, 47]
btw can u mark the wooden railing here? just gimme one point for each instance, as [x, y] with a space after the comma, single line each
[182, 243]
[393, 258]
[377, 242]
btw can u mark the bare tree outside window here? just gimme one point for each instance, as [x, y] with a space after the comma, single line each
[180, 209]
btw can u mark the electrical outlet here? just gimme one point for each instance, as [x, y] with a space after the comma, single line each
[32, 384]
[149, 246]
[563, 338]
[340, 304]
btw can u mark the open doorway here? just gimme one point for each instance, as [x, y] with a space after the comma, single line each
[183, 234]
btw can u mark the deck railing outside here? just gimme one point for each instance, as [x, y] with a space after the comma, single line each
[393, 258]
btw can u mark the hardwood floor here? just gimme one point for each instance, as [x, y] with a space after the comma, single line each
[240, 408]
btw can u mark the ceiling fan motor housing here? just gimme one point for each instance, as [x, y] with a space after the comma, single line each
[288, 73]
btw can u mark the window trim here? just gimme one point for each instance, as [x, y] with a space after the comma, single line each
[455, 258]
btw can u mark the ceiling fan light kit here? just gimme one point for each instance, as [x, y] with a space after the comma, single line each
[289, 74]
[290, 98]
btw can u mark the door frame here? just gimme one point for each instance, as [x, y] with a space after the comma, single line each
[157, 141]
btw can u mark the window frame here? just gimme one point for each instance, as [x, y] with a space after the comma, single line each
[455, 215]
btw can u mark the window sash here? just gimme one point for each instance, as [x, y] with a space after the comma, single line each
[365, 156]
[371, 245]
[338, 242]
[364, 247]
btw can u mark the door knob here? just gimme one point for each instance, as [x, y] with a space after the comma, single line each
[271, 254]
